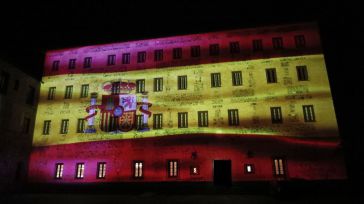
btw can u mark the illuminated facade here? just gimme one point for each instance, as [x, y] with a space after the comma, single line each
[232, 106]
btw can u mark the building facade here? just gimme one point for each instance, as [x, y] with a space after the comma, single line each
[231, 106]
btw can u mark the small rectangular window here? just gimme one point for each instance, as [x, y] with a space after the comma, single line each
[183, 120]
[26, 125]
[4, 82]
[300, 41]
[51, 93]
[142, 57]
[158, 55]
[84, 91]
[30, 95]
[139, 122]
[233, 115]
[214, 49]
[172, 168]
[257, 45]
[195, 51]
[277, 43]
[302, 74]
[234, 47]
[101, 170]
[64, 126]
[157, 121]
[80, 125]
[203, 119]
[87, 62]
[182, 82]
[271, 75]
[194, 170]
[126, 58]
[309, 113]
[158, 84]
[46, 127]
[68, 92]
[80, 170]
[72, 64]
[249, 168]
[276, 114]
[55, 65]
[140, 86]
[138, 169]
[59, 171]
[111, 59]
[237, 78]
[177, 53]
[279, 166]
[215, 80]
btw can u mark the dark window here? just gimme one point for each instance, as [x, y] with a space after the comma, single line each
[26, 125]
[195, 51]
[234, 47]
[59, 171]
[16, 84]
[248, 168]
[64, 126]
[30, 95]
[271, 75]
[46, 127]
[142, 57]
[68, 92]
[80, 125]
[183, 120]
[115, 87]
[84, 90]
[157, 121]
[72, 64]
[203, 119]
[276, 114]
[140, 86]
[138, 169]
[80, 170]
[177, 53]
[172, 168]
[257, 45]
[139, 122]
[126, 58]
[87, 62]
[55, 65]
[302, 74]
[101, 170]
[158, 84]
[279, 167]
[215, 80]
[309, 113]
[233, 115]
[214, 50]
[237, 78]
[300, 41]
[51, 93]
[4, 82]
[182, 82]
[277, 43]
[158, 55]
[111, 59]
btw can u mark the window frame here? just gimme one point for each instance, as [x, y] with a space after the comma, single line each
[101, 170]
[182, 82]
[271, 75]
[173, 170]
[233, 121]
[215, 80]
[158, 117]
[182, 123]
[80, 170]
[309, 113]
[58, 173]
[64, 126]
[276, 111]
[138, 170]
[201, 116]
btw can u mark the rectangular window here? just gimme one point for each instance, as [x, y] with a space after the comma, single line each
[125, 58]
[26, 125]
[214, 49]
[138, 169]
[46, 127]
[139, 122]
[177, 53]
[80, 125]
[276, 114]
[111, 59]
[277, 43]
[140, 86]
[257, 45]
[271, 75]
[87, 62]
[68, 93]
[215, 80]
[51, 93]
[64, 126]
[300, 41]
[233, 115]
[157, 121]
[194, 170]
[172, 168]
[84, 91]
[248, 168]
[195, 51]
[158, 84]
[59, 171]
[158, 55]
[237, 78]
[80, 170]
[234, 47]
[55, 65]
[203, 119]
[72, 64]
[142, 57]
[30, 95]
[279, 167]
[101, 170]
[308, 113]
[183, 120]
[302, 74]
[4, 82]
[182, 82]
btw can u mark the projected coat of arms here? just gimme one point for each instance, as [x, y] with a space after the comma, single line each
[118, 109]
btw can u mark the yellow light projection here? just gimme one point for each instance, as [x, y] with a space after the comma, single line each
[253, 101]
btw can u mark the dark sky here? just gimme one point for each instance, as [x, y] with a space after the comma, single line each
[29, 29]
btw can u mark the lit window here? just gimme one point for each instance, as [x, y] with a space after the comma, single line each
[214, 50]
[142, 57]
[302, 74]
[46, 127]
[84, 90]
[309, 113]
[59, 171]
[64, 126]
[276, 114]
[300, 41]
[87, 62]
[249, 168]
[182, 82]
[277, 43]
[126, 58]
[55, 65]
[72, 64]
[157, 121]
[139, 122]
[183, 120]
[271, 75]
[215, 80]
[158, 55]
[195, 51]
[237, 78]
[257, 45]
[80, 125]
[194, 170]
[68, 92]
[233, 115]
[4, 82]
[158, 84]
[278, 164]
[101, 170]
[234, 47]
[138, 169]
[173, 168]
[80, 170]
[177, 53]
[140, 86]
[203, 119]
[51, 93]
[111, 59]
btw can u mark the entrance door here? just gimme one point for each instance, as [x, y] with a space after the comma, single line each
[222, 172]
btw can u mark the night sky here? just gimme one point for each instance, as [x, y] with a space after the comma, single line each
[29, 29]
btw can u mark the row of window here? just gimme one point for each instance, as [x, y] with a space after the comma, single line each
[237, 80]
[172, 169]
[203, 119]
[214, 50]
